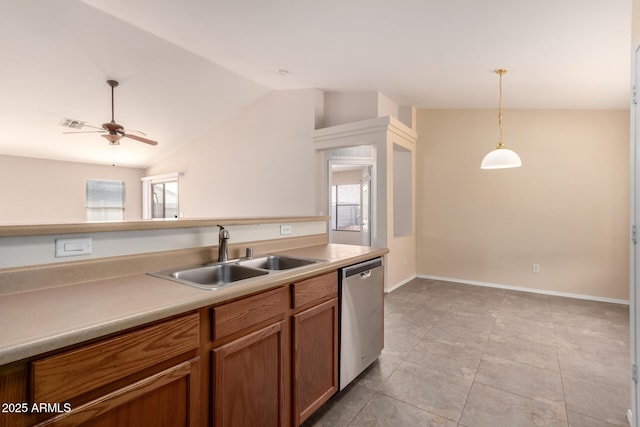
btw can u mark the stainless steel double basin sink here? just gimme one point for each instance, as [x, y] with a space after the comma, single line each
[223, 274]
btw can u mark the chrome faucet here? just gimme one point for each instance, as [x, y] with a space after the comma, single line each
[223, 237]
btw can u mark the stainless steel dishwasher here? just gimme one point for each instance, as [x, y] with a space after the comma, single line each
[361, 317]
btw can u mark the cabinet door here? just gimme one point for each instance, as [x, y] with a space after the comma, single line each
[315, 364]
[169, 398]
[249, 380]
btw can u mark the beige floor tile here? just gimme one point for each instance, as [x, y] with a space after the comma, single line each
[383, 411]
[524, 380]
[475, 322]
[489, 407]
[604, 370]
[399, 341]
[427, 389]
[599, 344]
[446, 358]
[617, 314]
[379, 372]
[465, 338]
[539, 354]
[579, 420]
[583, 321]
[596, 400]
[527, 297]
[418, 323]
[517, 327]
[435, 332]
[526, 307]
[535, 318]
[342, 408]
[565, 305]
[475, 307]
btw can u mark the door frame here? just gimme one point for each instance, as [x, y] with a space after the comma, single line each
[634, 254]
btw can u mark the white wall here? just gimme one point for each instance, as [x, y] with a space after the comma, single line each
[566, 208]
[51, 191]
[257, 163]
[347, 107]
[403, 184]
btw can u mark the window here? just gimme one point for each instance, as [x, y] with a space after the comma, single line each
[345, 207]
[105, 200]
[160, 196]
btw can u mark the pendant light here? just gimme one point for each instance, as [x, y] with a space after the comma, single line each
[501, 158]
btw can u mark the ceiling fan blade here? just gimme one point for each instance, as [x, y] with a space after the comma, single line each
[139, 132]
[92, 126]
[77, 124]
[87, 131]
[141, 139]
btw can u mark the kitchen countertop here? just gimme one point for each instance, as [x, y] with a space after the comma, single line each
[43, 320]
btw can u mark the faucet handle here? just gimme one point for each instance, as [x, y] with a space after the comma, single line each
[248, 253]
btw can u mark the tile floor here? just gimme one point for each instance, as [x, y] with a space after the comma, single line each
[467, 356]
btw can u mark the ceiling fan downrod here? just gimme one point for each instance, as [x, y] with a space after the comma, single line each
[113, 84]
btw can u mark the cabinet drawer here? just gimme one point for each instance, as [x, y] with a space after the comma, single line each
[244, 313]
[315, 289]
[72, 373]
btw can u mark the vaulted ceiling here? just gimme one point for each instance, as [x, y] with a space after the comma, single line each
[185, 66]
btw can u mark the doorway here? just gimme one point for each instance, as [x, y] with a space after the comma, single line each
[351, 201]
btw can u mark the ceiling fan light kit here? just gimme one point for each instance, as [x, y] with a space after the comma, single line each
[501, 157]
[115, 131]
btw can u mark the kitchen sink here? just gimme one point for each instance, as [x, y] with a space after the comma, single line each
[211, 276]
[222, 274]
[276, 262]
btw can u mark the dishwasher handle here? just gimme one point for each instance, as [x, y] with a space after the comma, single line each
[363, 269]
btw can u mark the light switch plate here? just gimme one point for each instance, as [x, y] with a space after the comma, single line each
[73, 247]
[285, 229]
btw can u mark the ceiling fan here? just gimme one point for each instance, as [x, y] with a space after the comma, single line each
[114, 131]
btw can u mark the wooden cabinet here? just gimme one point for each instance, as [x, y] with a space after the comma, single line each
[249, 380]
[250, 361]
[148, 377]
[315, 344]
[167, 398]
[275, 354]
[269, 359]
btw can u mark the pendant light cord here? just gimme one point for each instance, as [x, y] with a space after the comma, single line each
[500, 112]
[500, 72]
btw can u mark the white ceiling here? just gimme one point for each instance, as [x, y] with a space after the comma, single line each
[185, 66]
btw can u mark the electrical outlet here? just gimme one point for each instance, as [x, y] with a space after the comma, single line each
[285, 229]
[536, 268]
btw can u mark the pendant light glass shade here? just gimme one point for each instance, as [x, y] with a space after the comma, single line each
[500, 158]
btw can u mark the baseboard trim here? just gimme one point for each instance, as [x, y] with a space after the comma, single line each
[520, 288]
[397, 285]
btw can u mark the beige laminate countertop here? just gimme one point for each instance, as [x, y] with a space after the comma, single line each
[43, 320]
